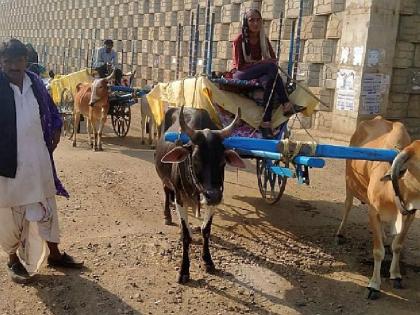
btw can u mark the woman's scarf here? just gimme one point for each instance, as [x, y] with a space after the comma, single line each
[246, 49]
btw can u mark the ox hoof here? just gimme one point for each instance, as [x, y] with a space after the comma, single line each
[397, 283]
[209, 268]
[340, 239]
[373, 294]
[168, 221]
[74, 144]
[183, 279]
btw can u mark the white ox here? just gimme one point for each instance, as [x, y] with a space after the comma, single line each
[392, 194]
[147, 118]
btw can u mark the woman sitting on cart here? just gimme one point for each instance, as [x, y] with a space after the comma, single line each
[254, 58]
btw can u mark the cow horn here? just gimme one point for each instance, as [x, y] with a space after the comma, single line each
[184, 127]
[397, 164]
[227, 131]
[111, 75]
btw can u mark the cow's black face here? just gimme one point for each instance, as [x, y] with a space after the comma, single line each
[208, 158]
[208, 161]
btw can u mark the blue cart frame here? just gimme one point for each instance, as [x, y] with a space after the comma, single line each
[275, 158]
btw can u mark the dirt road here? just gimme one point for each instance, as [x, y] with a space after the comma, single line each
[271, 259]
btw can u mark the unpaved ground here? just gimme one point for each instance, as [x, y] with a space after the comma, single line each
[271, 259]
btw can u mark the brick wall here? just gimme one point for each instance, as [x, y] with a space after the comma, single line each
[405, 85]
[144, 33]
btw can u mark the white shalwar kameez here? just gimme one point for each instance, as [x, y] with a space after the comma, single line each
[28, 210]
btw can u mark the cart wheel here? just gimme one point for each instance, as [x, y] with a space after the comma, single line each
[121, 119]
[271, 185]
[66, 109]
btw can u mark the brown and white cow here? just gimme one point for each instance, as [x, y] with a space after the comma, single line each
[92, 100]
[392, 193]
[193, 174]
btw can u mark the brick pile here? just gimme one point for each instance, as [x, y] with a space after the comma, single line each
[405, 85]
[145, 33]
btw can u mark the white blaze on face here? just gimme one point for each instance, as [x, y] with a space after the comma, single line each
[97, 86]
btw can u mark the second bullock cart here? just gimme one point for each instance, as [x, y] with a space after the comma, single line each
[63, 89]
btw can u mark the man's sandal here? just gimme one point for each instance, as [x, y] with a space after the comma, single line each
[18, 273]
[66, 261]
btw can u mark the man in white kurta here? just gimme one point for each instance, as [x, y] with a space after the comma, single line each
[28, 210]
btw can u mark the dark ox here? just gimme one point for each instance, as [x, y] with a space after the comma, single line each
[193, 174]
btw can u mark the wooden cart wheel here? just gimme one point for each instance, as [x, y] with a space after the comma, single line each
[66, 110]
[271, 185]
[121, 119]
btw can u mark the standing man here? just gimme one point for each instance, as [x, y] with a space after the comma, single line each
[107, 57]
[30, 128]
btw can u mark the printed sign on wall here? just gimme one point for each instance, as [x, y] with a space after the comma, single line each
[374, 85]
[345, 89]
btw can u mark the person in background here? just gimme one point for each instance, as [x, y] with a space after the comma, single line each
[106, 58]
[254, 58]
[30, 128]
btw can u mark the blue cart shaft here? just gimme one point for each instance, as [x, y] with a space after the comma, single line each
[321, 150]
[355, 153]
[261, 154]
[243, 143]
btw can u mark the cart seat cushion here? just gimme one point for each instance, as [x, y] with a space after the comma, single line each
[242, 129]
[237, 86]
[249, 88]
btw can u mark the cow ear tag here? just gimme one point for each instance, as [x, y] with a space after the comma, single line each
[176, 155]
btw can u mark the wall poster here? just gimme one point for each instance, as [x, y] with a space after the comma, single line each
[373, 87]
[345, 89]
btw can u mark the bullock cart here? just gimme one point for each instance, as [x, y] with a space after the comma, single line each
[121, 100]
[277, 160]
[221, 98]
[63, 90]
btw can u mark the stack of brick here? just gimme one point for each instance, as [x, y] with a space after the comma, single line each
[404, 101]
[145, 34]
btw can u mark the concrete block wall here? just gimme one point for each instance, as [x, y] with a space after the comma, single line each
[65, 33]
[405, 83]
[145, 32]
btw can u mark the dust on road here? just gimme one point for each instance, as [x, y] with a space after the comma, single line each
[278, 259]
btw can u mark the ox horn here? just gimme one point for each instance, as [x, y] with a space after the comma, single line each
[397, 164]
[184, 127]
[227, 131]
[111, 76]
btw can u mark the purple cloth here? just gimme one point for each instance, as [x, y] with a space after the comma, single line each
[51, 122]
[265, 73]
